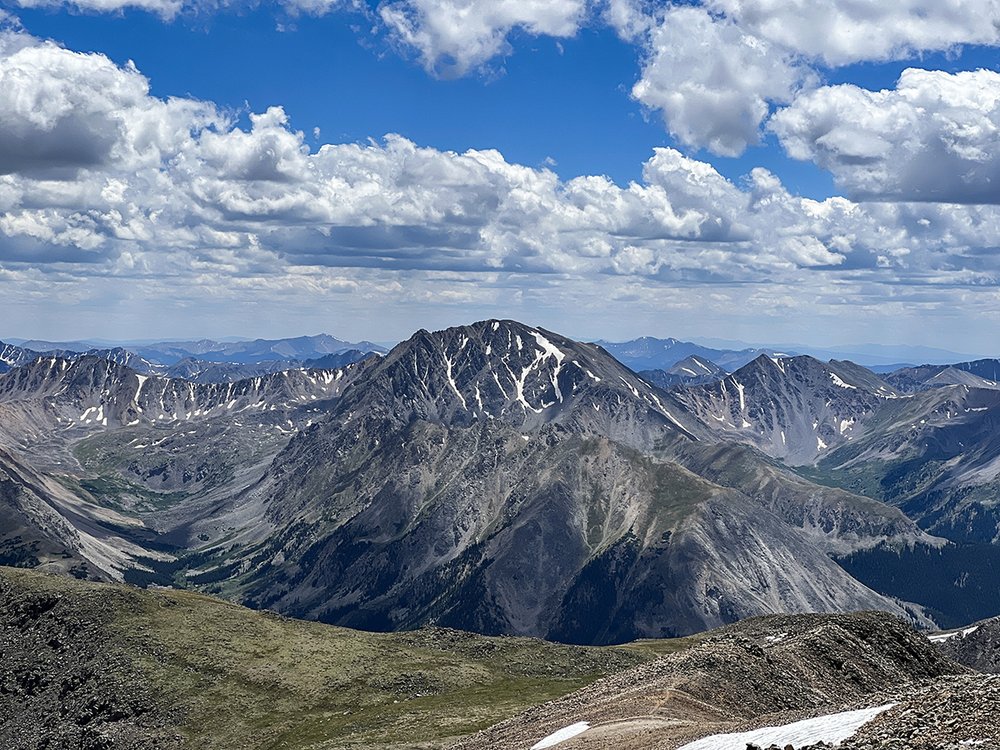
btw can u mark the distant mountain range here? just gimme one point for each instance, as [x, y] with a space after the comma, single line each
[505, 479]
[649, 353]
[204, 361]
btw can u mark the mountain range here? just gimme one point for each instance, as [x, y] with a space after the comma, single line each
[203, 361]
[504, 479]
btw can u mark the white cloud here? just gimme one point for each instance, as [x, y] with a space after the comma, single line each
[838, 32]
[932, 138]
[170, 200]
[167, 9]
[456, 36]
[713, 81]
[61, 111]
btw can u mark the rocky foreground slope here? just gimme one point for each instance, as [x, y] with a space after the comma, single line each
[774, 672]
[93, 666]
[101, 666]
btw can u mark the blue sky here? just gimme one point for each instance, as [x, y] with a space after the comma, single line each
[567, 100]
[783, 185]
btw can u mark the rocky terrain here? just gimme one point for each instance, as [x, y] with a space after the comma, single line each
[977, 645]
[102, 666]
[96, 666]
[763, 672]
[794, 409]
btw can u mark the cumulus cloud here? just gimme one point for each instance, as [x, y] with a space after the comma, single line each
[838, 33]
[453, 37]
[713, 81]
[184, 203]
[61, 111]
[714, 70]
[932, 138]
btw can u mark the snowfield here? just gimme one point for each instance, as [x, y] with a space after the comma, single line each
[562, 735]
[833, 729]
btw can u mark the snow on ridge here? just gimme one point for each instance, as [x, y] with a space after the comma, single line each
[832, 729]
[840, 383]
[939, 637]
[551, 350]
[562, 735]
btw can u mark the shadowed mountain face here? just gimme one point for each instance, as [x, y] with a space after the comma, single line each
[493, 477]
[794, 408]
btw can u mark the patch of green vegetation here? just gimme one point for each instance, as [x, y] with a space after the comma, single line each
[228, 677]
[889, 481]
[115, 492]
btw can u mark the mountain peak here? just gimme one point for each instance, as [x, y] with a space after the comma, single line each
[506, 371]
[794, 408]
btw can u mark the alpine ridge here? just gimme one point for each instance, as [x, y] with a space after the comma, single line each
[472, 459]
[495, 477]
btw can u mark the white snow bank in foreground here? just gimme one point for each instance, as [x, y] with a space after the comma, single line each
[834, 729]
[564, 734]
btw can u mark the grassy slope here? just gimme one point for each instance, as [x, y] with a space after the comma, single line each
[229, 677]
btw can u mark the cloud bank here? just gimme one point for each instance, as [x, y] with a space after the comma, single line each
[110, 196]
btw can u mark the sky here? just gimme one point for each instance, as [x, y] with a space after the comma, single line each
[825, 173]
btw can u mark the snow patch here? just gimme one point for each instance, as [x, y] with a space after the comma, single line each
[939, 637]
[832, 729]
[743, 399]
[562, 735]
[840, 383]
[551, 350]
[451, 380]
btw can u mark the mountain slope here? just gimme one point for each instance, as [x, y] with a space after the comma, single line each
[472, 461]
[494, 477]
[96, 453]
[935, 455]
[761, 672]
[648, 353]
[94, 392]
[96, 666]
[14, 356]
[44, 525]
[693, 370]
[252, 352]
[983, 373]
[794, 409]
